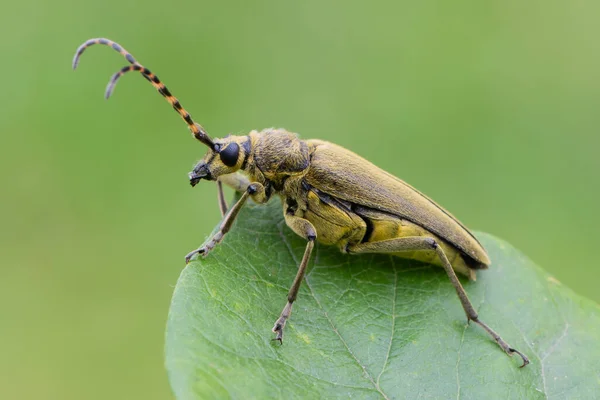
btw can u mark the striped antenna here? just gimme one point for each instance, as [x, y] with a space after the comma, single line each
[196, 128]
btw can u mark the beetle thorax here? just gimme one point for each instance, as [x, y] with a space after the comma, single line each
[278, 154]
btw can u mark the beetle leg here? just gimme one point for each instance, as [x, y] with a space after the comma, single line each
[236, 181]
[221, 198]
[428, 243]
[254, 190]
[306, 230]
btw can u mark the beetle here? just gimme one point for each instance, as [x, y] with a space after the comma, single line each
[330, 195]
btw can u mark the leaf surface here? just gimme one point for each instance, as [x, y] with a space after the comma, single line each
[371, 327]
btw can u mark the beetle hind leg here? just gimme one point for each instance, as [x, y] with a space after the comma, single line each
[427, 243]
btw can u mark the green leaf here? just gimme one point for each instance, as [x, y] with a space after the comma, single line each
[371, 326]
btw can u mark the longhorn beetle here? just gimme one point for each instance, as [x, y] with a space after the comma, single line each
[330, 195]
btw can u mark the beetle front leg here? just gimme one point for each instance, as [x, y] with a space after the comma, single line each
[428, 243]
[254, 190]
[306, 230]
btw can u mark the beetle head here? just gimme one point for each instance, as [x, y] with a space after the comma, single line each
[225, 157]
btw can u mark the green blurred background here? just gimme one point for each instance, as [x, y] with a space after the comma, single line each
[491, 108]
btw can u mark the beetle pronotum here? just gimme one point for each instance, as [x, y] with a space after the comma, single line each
[330, 195]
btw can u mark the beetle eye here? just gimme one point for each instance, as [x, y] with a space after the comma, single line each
[229, 154]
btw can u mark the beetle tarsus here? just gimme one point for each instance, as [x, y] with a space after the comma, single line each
[280, 323]
[505, 346]
[191, 254]
[278, 328]
[523, 356]
[204, 250]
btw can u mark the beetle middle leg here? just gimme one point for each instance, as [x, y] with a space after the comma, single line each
[427, 243]
[221, 198]
[254, 190]
[306, 230]
[236, 181]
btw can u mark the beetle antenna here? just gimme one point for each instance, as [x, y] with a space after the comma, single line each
[197, 129]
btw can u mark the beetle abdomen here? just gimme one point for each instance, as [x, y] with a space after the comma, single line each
[346, 224]
[385, 227]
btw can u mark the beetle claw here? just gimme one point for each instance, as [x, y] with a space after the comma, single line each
[278, 329]
[191, 254]
[523, 356]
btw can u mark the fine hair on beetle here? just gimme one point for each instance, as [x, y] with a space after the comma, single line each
[330, 195]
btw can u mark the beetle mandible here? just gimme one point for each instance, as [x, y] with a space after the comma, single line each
[330, 195]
